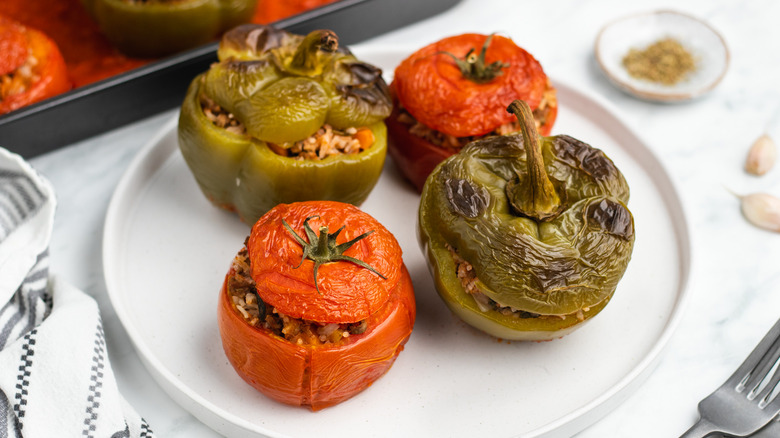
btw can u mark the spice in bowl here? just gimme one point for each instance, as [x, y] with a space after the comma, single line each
[665, 62]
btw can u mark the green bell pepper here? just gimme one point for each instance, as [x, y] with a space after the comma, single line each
[154, 28]
[282, 88]
[526, 236]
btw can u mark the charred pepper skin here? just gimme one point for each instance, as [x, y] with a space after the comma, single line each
[556, 260]
[151, 29]
[282, 88]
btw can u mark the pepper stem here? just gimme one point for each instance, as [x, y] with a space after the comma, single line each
[323, 249]
[473, 67]
[305, 60]
[532, 195]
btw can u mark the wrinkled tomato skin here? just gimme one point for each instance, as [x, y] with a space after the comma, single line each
[432, 88]
[318, 376]
[347, 292]
[50, 68]
[13, 46]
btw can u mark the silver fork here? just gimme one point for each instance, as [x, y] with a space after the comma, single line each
[744, 403]
[772, 430]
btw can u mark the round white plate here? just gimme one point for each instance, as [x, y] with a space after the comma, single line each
[641, 30]
[166, 251]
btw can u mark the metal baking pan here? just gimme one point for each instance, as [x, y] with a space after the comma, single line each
[161, 85]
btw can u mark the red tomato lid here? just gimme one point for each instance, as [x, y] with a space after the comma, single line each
[347, 292]
[432, 88]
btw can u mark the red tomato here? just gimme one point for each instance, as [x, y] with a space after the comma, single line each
[46, 77]
[433, 89]
[414, 156]
[13, 46]
[322, 375]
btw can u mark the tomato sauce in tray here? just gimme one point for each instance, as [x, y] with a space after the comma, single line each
[113, 89]
[88, 54]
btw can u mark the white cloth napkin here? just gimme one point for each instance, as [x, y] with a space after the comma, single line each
[55, 376]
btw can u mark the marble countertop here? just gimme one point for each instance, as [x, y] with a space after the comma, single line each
[735, 288]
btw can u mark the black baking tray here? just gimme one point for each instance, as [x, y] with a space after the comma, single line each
[161, 85]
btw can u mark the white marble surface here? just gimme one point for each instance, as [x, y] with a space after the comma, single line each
[735, 289]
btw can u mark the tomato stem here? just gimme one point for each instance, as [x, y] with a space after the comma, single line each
[323, 249]
[534, 194]
[473, 66]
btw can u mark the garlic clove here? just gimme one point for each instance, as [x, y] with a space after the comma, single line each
[761, 156]
[762, 210]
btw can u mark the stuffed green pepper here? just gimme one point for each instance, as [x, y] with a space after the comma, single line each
[154, 28]
[284, 118]
[526, 236]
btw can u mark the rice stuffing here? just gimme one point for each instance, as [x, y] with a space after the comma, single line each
[221, 117]
[468, 278]
[20, 80]
[326, 142]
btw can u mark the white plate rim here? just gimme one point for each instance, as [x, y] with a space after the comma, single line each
[150, 159]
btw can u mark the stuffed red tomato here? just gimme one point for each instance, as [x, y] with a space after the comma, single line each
[31, 66]
[456, 90]
[317, 305]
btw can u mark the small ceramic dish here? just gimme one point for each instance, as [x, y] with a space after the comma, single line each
[707, 47]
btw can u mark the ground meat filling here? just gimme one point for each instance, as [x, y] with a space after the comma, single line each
[243, 293]
[324, 143]
[468, 278]
[441, 139]
[19, 80]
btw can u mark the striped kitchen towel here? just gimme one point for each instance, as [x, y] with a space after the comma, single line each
[55, 376]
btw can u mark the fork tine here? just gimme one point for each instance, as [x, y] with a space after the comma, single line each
[773, 406]
[755, 356]
[764, 366]
[770, 387]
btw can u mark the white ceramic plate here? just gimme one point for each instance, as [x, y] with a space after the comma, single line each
[166, 251]
[639, 31]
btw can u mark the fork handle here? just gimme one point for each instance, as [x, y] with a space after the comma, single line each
[701, 429]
